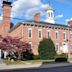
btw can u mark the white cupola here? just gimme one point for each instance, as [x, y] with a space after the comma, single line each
[50, 15]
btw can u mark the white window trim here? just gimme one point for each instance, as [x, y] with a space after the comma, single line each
[49, 34]
[58, 46]
[31, 44]
[58, 35]
[63, 43]
[65, 36]
[38, 33]
[70, 35]
[28, 32]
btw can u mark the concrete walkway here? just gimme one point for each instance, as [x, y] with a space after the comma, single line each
[20, 66]
[2, 64]
[29, 65]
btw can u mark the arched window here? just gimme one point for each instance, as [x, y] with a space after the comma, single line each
[51, 14]
[48, 14]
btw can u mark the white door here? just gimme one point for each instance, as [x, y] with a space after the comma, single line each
[65, 47]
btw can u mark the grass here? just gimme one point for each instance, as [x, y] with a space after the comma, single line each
[8, 62]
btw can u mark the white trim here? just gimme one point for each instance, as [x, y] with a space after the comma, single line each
[28, 32]
[49, 33]
[31, 44]
[65, 48]
[38, 33]
[58, 46]
[70, 35]
[57, 35]
[65, 36]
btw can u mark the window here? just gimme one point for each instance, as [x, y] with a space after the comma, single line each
[30, 44]
[48, 14]
[30, 33]
[70, 35]
[39, 33]
[56, 35]
[70, 47]
[64, 36]
[48, 34]
[51, 14]
[57, 46]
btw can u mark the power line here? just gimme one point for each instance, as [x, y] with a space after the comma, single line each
[13, 18]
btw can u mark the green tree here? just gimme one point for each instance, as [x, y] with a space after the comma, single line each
[46, 49]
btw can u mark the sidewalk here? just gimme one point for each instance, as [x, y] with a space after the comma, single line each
[3, 67]
[59, 64]
[31, 65]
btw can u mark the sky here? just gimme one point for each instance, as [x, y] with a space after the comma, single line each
[25, 10]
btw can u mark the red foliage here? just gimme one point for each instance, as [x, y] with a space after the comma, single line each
[14, 44]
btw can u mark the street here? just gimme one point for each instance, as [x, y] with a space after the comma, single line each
[54, 69]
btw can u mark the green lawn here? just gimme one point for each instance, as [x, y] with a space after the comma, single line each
[8, 62]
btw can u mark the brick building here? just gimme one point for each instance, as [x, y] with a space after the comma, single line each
[34, 31]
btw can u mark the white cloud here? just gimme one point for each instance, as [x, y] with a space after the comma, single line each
[27, 8]
[59, 16]
[1, 17]
[1, 1]
[68, 20]
[0, 4]
[44, 6]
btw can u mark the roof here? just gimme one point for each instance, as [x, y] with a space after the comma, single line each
[38, 23]
[46, 23]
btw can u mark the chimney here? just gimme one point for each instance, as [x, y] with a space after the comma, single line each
[70, 23]
[6, 15]
[37, 17]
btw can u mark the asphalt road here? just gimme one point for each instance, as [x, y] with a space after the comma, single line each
[54, 69]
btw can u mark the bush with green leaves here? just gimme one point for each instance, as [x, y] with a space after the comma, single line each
[61, 58]
[46, 49]
[63, 55]
[36, 57]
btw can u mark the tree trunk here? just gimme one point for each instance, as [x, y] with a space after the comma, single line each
[19, 56]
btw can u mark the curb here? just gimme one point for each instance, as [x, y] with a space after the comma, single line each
[39, 65]
[61, 64]
[7, 67]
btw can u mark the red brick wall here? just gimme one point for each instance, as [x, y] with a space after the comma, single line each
[17, 32]
[37, 17]
[6, 19]
[22, 31]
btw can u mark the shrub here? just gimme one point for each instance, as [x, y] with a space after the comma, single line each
[27, 56]
[36, 57]
[46, 49]
[61, 58]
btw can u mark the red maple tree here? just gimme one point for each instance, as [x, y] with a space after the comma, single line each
[10, 44]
